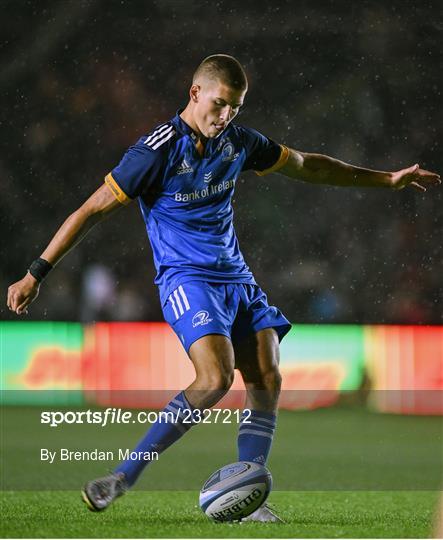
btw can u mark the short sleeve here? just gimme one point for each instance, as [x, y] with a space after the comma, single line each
[263, 155]
[136, 172]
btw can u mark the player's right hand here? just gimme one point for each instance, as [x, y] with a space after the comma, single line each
[22, 293]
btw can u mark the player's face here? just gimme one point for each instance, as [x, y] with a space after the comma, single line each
[215, 106]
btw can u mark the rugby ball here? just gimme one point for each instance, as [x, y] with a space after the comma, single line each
[235, 491]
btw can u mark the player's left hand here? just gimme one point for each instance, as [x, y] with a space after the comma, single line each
[415, 177]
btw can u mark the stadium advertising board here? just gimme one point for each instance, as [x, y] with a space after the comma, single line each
[141, 364]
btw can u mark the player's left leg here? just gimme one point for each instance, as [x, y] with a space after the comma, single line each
[257, 358]
[256, 333]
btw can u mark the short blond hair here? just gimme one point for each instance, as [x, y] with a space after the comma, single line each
[223, 68]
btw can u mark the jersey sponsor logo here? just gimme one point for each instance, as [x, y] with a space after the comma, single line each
[207, 177]
[228, 152]
[201, 318]
[198, 194]
[184, 168]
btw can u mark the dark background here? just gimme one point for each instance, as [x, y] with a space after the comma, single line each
[82, 80]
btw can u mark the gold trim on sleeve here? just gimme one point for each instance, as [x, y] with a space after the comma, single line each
[284, 156]
[116, 190]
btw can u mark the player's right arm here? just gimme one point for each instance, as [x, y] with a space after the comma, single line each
[100, 205]
[133, 176]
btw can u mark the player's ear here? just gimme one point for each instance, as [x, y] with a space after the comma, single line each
[194, 93]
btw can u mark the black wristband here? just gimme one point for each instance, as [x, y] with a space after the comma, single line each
[40, 269]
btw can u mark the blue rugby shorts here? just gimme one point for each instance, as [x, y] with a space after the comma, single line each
[198, 308]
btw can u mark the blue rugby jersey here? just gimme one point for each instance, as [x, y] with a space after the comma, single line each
[185, 198]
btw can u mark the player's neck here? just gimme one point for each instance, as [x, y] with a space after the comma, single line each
[187, 117]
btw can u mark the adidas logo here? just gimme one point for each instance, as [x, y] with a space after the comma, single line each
[184, 168]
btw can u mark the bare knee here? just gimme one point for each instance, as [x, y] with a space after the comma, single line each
[216, 379]
[209, 387]
[213, 359]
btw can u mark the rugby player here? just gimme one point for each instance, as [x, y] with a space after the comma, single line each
[183, 174]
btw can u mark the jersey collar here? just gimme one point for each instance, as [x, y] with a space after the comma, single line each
[182, 126]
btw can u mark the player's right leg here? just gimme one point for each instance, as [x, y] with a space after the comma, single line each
[213, 359]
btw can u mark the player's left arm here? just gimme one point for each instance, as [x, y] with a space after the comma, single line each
[321, 169]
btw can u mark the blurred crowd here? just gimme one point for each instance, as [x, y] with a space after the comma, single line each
[360, 84]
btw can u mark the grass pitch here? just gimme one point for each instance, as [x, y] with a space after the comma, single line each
[176, 515]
